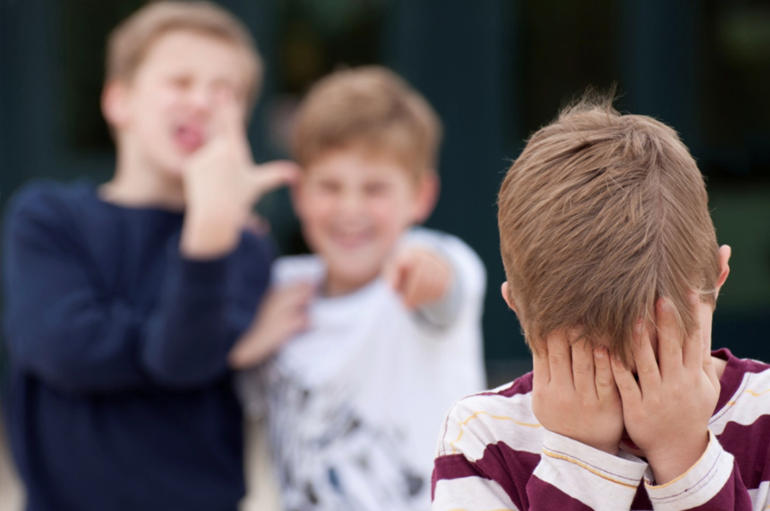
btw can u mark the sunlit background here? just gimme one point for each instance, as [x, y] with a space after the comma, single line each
[495, 70]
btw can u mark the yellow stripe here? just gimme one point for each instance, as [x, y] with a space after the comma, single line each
[590, 469]
[750, 392]
[495, 417]
[757, 394]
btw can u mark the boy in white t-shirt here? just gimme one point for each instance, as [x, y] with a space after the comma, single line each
[384, 319]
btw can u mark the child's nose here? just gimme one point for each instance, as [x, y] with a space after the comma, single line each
[350, 203]
[201, 98]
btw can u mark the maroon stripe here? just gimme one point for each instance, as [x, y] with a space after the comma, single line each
[451, 466]
[521, 385]
[733, 376]
[545, 496]
[509, 468]
[750, 445]
[641, 500]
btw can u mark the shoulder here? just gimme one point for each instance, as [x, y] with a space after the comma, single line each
[745, 396]
[503, 414]
[46, 197]
[297, 268]
[45, 206]
[740, 371]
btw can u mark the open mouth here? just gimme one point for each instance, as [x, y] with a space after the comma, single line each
[351, 239]
[189, 137]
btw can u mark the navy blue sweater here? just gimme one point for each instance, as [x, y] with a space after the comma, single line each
[119, 394]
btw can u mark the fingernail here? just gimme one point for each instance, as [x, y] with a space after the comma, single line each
[599, 353]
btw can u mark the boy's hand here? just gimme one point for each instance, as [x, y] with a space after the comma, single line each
[574, 393]
[667, 412]
[222, 183]
[419, 276]
[282, 314]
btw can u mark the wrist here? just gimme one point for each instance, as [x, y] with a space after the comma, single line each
[671, 461]
[208, 235]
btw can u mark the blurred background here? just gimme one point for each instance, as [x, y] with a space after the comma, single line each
[495, 70]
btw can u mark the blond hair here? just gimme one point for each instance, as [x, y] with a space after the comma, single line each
[600, 215]
[129, 43]
[367, 108]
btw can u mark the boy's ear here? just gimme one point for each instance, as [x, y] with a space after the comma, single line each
[426, 196]
[505, 291]
[724, 267]
[113, 102]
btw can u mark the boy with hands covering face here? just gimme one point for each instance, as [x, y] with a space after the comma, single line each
[613, 271]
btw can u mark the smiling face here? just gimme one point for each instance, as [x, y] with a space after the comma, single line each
[353, 208]
[167, 109]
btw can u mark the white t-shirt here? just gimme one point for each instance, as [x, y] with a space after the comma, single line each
[355, 404]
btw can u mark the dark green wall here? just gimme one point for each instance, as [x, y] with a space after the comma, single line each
[495, 70]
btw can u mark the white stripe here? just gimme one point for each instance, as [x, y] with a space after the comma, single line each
[760, 496]
[751, 401]
[471, 494]
[497, 418]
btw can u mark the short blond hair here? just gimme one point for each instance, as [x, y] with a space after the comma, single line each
[368, 108]
[600, 215]
[129, 42]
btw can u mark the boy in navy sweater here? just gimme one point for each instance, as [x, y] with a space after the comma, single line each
[123, 300]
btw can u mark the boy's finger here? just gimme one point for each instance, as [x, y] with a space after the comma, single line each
[412, 280]
[559, 358]
[269, 176]
[629, 390]
[669, 337]
[644, 357]
[292, 296]
[583, 367]
[694, 345]
[540, 372]
[396, 273]
[605, 383]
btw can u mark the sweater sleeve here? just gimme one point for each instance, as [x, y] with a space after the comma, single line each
[713, 483]
[185, 341]
[61, 327]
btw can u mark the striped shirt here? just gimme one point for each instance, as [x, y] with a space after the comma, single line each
[493, 455]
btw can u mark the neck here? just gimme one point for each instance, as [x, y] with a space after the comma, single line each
[337, 286]
[138, 183]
